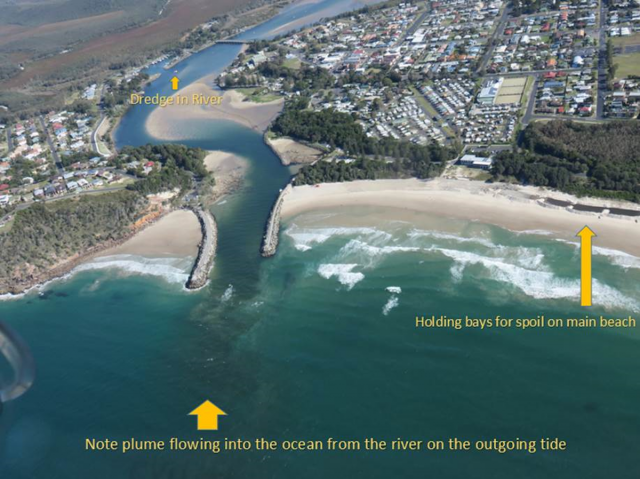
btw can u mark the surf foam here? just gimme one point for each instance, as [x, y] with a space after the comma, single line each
[171, 270]
[343, 272]
[304, 238]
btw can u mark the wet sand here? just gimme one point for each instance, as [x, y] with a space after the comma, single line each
[228, 170]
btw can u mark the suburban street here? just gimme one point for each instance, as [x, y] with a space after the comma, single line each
[482, 66]
[602, 62]
[52, 147]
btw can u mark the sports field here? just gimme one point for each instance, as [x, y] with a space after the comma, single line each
[511, 91]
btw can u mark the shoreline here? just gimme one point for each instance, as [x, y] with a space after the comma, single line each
[292, 152]
[515, 208]
[172, 233]
[66, 267]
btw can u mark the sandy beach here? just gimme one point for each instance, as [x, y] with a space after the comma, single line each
[228, 170]
[508, 206]
[175, 235]
[292, 152]
[233, 107]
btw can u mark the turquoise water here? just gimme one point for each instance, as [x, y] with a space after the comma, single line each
[320, 342]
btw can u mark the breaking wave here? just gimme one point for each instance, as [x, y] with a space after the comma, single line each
[393, 300]
[304, 238]
[438, 235]
[343, 272]
[538, 284]
[618, 258]
[524, 267]
[172, 270]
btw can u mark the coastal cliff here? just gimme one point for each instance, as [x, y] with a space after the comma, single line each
[206, 251]
[272, 230]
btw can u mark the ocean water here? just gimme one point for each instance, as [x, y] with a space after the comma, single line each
[324, 345]
[320, 341]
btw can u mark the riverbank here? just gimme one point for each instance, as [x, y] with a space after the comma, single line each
[162, 122]
[292, 152]
[515, 208]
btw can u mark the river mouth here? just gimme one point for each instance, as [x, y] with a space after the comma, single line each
[242, 217]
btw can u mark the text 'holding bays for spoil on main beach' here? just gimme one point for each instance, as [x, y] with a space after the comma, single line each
[539, 321]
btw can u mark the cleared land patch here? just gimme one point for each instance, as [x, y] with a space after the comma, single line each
[628, 65]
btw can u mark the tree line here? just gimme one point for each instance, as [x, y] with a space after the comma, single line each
[376, 158]
[597, 160]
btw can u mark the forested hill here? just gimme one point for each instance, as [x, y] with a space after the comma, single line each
[46, 234]
[598, 160]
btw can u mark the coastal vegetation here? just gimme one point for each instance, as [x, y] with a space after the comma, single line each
[47, 234]
[119, 94]
[597, 160]
[174, 167]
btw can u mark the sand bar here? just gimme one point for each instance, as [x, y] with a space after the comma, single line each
[292, 152]
[228, 170]
[163, 122]
[509, 206]
[176, 235]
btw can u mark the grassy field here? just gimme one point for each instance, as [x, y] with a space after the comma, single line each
[292, 63]
[257, 95]
[626, 41]
[627, 65]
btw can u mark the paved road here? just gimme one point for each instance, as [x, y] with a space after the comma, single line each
[581, 119]
[602, 63]
[530, 73]
[502, 23]
[412, 29]
[54, 152]
[526, 119]
[94, 135]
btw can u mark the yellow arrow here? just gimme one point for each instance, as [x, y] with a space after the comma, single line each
[174, 83]
[207, 414]
[585, 235]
